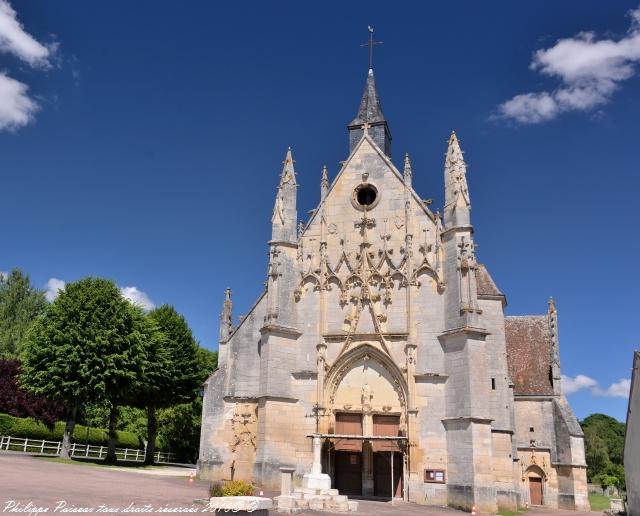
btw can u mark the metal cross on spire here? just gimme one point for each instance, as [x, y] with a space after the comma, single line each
[371, 43]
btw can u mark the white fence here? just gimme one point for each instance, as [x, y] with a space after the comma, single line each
[77, 450]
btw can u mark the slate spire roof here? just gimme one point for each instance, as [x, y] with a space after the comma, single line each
[370, 109]
[370, 119]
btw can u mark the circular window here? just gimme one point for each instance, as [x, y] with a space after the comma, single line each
[365, 195]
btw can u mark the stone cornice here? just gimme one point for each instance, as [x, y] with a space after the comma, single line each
[458, 229]
[471, 419]
[305, 375]
[283, 243]
[430, 377]
[535, 397]
[286, 331]
[241, 399]
[365, 336]
[469, 330]
[278, 398]
[502, 431]
[534, 448]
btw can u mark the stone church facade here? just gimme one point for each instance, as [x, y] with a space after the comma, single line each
[379, 330]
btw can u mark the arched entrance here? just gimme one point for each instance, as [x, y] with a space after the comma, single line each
[366, 396]
[535, 478]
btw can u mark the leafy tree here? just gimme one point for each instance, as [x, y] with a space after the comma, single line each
[180, 424]
[207, 363]
[604, 444]
[606, 481]
[15, 401]
[171, 375]
[130, 419]
[90, 345]
[20, 304]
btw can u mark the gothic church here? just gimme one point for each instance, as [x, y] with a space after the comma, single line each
[380, 333]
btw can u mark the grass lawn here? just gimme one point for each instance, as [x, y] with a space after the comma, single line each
[599, 502]
[521, 510]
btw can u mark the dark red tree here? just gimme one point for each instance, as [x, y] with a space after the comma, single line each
[16, 402]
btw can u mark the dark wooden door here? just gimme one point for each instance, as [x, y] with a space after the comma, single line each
[382, 474]
[349, 473]
[535, 488]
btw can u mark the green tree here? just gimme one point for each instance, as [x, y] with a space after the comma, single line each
[90, 345]
[604, 443]
[171, 375]
[180, 424]
[20, 304]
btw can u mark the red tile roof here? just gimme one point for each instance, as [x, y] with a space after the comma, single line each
[529, 354]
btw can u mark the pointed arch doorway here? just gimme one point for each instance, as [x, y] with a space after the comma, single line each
[366, 394]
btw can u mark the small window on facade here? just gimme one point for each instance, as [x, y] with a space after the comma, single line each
[531, 429]
[365, 196]
[493, 384]
[434, 475]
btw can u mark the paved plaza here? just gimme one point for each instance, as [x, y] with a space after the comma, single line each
[65, 487]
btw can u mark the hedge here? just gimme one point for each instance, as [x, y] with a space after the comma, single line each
[32, 429]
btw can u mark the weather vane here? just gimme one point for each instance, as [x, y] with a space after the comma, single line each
[371, 44]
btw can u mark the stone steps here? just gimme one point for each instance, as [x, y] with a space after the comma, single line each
[327, 500]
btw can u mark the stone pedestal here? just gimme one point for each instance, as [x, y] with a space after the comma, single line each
[286, 481]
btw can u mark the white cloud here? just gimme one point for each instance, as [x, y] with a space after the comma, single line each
[590, 71]
[14, 39]
[132, 294]
[138, 297]
[16, 107]
[620, 389]
[53, 288]
[580, 382]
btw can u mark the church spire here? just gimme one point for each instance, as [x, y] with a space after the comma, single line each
[408, 171]
[370, 112]
[285, 215]
[226, 327]
[324, 183]
[225, 317]
[457, 205]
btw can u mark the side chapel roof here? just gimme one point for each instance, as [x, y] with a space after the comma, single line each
[529, 353]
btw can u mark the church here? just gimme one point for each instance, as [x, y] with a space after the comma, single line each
[381, 336]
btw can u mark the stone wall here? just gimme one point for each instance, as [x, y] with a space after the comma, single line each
[632, 442]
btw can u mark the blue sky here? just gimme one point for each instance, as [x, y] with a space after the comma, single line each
[143, 142]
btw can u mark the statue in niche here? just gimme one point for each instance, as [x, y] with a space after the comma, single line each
[367, 395]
